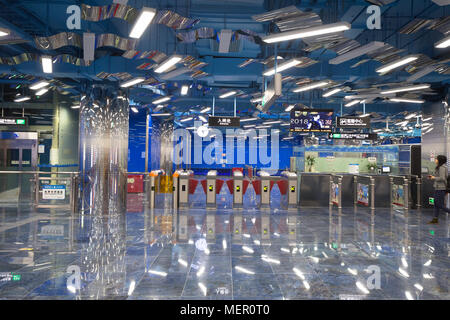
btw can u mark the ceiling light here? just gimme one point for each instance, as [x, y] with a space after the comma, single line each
[406, 100]
[365, 115]
[76, 107]
[22, 99]
[186, 119]
[248, 119]
[47, 64]
[311, 86]
[255, 100]
[42, 92]
[308, 32]
[271, 122]
[289, 108]
[3, 33]
[164, 99]
[202, 118]
[134, 109]
[168, 63]
[205, 110]
[161, 114]
[228, 94]
[143, 20]
[184, 90]
[352, 103]
[249, 126]
[132, 82]
[283, 66]
[444, 43]
[39, 85]
[427, 119]
[396, 64]
[404, 89]
[331, 92]
[412, 115]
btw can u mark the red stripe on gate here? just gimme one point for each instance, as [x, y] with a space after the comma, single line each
[282, 185]
[219, 184]
[230, 184]
[192, 185]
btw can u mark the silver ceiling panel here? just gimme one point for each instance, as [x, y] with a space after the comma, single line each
[282, 13]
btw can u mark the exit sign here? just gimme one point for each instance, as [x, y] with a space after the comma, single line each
[431, 200]
[13, 121]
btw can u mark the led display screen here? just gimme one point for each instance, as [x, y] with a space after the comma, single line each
[311, 120]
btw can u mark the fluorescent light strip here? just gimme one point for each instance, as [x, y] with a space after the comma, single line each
[248, 119]
[311, 86]
[404, 89]
[161, 114]
[39, 85]
[289, 108]
[352, 103]
[168, 63]
[282, 67]
[47, 64]
[158, 101]
[397, 64]
[186, 119]
[228, 94]
[22, 99]
[444, 43]
[3, 33]
[308, 32]
[184, 90]
[76, 107]
[406, 100]
[331, 92]
[142, 22]
[271, 122]
[255, 100]
[132, 82]
[205, 110]
[41, 92]
[202, 118]
[158, 273]
[134, 109]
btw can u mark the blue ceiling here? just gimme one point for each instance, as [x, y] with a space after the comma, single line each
[28, 20]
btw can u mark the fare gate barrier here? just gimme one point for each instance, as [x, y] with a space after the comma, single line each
[185, 185]
[336, 191]
[238, 187]
[288, 189]
[364, 191]
[212, 186]
[263, 186]
[152, 187]
[399, 191]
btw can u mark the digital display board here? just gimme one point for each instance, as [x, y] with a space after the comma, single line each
[353, 136]
[312, 120]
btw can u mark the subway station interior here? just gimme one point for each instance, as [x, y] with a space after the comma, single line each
[224, 150]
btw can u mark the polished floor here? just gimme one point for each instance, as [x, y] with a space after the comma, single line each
[223, 254]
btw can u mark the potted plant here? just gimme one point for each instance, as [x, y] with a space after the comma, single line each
[372, 166]
[310, 161]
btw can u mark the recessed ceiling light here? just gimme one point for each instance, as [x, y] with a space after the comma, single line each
[142, 22]
[39, 85]
[42, 92]
[184, 90]
[3, 33]
[47, 64]
[134, 109]
[168, 63]
[132, 82]
[22, 99]
[308, 32]
[444, 43]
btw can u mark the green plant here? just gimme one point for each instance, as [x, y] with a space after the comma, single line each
[372, 166]
[310, 161]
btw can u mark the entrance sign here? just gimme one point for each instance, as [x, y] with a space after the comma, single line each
[227, 122]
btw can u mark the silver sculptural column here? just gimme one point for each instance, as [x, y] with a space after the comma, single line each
[104, 124]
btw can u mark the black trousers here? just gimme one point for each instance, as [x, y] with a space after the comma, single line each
[439, 202]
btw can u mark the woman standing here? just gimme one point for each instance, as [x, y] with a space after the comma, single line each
[440, 187]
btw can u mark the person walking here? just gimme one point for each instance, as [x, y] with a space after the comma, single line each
[440, 187]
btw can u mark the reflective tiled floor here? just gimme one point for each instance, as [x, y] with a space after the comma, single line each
[224, 254]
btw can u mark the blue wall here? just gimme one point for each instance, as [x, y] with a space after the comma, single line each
[136, 141]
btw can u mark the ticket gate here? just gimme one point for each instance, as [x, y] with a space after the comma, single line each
[183, 188]
[265, 188]
[288, 188]
[152, 188]
[238, 189]
[211, 178]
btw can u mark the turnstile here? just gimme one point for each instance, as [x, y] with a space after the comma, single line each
[211, 178]
[265, 188]
[238, 189]
[290, 198]
[152, 187]
[183, 188]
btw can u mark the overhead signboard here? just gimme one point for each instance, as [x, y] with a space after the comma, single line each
[353, 122]
[272, 93]
[353, 136]
[224, 122]
[311, 120]
[14, 121]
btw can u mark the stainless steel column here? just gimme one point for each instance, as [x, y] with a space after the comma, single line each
[104, 119]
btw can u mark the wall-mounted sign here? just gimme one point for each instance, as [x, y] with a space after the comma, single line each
[53, 192]
[353, 122]
[353, 136]
[228, 122]
[311, 120]
[14, 121]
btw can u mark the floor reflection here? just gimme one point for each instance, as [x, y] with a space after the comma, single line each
[317, 253]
